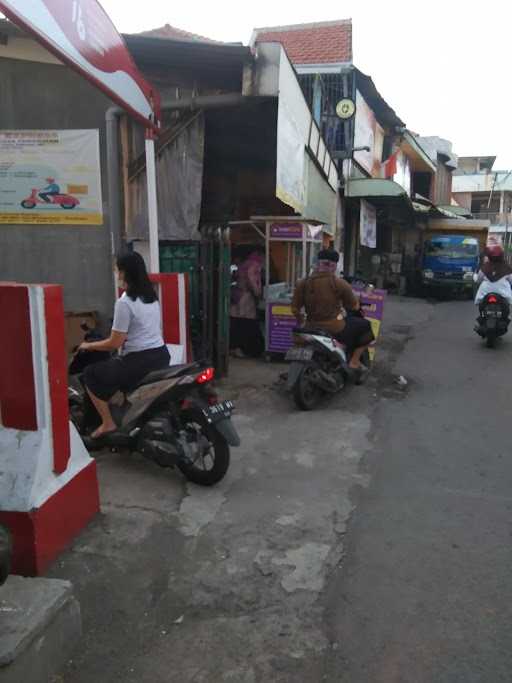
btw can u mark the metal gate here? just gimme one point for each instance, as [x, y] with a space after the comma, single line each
[208, 265]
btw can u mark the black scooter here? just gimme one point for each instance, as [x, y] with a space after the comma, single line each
[494, 319]
[173, 417]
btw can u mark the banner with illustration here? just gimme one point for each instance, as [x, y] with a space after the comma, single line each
[50, 177]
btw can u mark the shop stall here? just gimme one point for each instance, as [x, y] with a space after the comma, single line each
[290, 247]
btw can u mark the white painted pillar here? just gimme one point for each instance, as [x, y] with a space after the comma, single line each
[154, 256]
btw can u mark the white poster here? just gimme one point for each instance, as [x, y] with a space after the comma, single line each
[50, 177]
[403, 172]
[368, 133]
[293, 123]
[368, 227]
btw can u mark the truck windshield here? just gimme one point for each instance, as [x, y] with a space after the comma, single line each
[451, 250]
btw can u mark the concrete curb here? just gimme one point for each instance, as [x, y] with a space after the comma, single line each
[40, 626]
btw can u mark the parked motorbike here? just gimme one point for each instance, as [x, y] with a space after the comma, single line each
[494, 319]
[173, 417]
[319, 366]
[65, 201]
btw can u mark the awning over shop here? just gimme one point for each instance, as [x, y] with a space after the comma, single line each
[388, 194]
[383, 194]
[375, 188]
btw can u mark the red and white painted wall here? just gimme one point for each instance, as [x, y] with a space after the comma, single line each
[173, 293]
[48, 483]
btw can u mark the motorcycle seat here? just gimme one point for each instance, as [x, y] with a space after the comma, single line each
[166, 373]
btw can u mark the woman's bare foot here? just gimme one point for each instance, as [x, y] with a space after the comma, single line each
[104, 429]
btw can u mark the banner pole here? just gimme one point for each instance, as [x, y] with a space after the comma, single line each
[154, 257]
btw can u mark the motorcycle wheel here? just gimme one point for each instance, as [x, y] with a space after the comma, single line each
[68, 206]
[490, 340]
[306, 394]
[212, 456]
[28, 205]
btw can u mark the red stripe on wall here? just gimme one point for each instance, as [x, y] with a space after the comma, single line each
[40, 535]
[169, 302]
[57, 375]
[18, 404]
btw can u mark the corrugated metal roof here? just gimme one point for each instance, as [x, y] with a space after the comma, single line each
[385, 114]
[208, 57]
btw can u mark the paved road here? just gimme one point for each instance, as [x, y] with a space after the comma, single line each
[424, 594]
[179, 583]
[368, 542]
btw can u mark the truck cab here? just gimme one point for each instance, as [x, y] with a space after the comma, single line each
[449, 262]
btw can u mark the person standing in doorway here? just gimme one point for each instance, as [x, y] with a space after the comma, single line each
[245, 335]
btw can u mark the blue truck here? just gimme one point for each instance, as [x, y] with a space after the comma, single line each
[449, 262]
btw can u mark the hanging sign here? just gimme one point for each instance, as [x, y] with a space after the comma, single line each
[50, 177]
[80, 33]
[368, 227]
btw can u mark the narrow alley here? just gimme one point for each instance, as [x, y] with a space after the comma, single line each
[355, 550]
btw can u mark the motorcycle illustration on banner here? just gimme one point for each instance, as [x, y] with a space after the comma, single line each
[66, 201]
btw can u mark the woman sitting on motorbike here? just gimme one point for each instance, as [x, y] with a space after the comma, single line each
[494, 276]
[137, 336]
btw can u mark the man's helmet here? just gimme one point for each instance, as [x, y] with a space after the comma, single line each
[50, 180]
[495, 252]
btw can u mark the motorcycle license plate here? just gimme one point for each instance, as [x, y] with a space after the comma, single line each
[219, 411]
[493, 314]
[299, 354]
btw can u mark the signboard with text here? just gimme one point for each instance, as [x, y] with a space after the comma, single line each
[50, 177]
[287, 231]
[372, 303]
[280, 325]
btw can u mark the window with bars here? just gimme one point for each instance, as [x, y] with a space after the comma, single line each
[322, 93]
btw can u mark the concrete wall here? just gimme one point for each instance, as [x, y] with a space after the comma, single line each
[463, 199]
[40, 96]
[483, 182]
[442, 185]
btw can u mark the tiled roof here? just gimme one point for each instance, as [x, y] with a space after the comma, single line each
[172, 33]
[328, 42]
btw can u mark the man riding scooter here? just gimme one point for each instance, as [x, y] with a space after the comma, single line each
[323, 295]
[51, 190]
[494, 277]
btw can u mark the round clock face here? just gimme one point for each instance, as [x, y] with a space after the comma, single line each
[346, 109]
